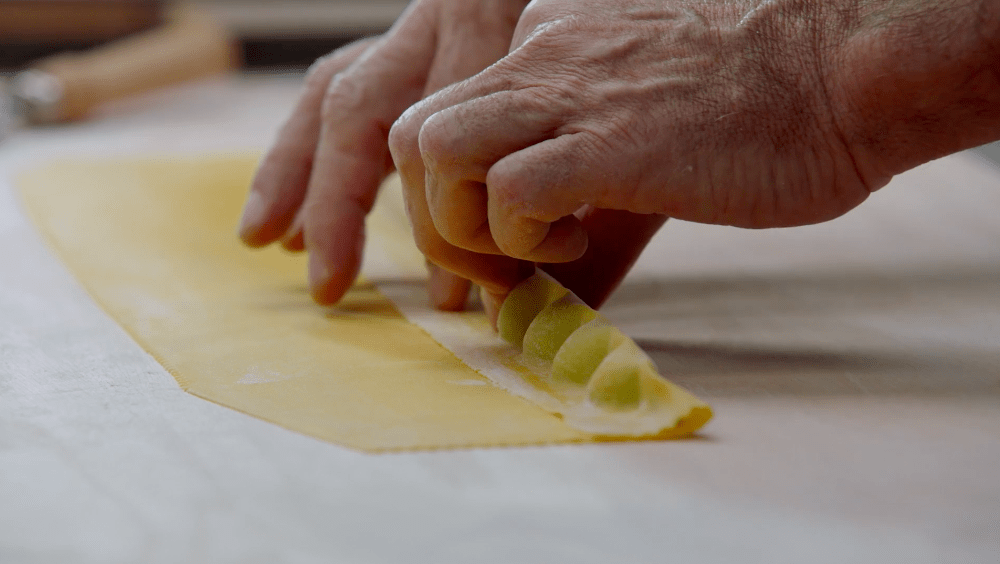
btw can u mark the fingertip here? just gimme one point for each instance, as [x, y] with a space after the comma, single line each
[404, 151]
[335, 240]
[294, 241]
[491, 305]
[253, 218]
[566, 241]
[563, 240]
[616, 240]
[326, 290]
[328, 282]
[448, 291]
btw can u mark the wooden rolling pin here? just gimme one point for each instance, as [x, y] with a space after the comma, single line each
[61, 22]
[66, 87]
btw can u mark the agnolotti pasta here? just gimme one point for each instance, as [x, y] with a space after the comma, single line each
[606, 383]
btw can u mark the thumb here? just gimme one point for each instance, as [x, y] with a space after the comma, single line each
[616, 240]
[448, 291]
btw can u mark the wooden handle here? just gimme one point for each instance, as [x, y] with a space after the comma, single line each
[62, 22]
[190, 45]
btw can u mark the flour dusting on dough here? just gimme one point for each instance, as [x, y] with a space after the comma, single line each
[257, 376]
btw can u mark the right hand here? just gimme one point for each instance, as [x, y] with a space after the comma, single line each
[630, 111]
[741, 113]
[319, 180]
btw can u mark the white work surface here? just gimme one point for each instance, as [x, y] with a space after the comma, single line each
[854, 368]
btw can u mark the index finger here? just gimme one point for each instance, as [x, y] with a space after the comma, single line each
[352, 156]
[279, 184]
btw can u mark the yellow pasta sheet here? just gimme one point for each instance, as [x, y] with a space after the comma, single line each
[154, 242]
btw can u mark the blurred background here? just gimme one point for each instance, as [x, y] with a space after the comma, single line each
[64, 61]
[272, 34]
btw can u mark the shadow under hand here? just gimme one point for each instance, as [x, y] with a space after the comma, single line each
[904, 333]
[747, 370]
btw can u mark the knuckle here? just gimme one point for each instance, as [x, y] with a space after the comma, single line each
[506, 191]
[436, 141]
[422, 243]
[323, 67]
[453, 234]
[403, 139]
[344, 97]
[319, 73]
[554, 31]
[430, 244]
[538, 14]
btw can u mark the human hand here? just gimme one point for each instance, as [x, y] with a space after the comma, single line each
[707, 112]
[319, 180]
[740, 113]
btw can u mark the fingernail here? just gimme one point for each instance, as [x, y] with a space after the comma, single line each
[294, 238]
[433, 283]
[293, 242]
[254, 214]
[320, 274]
[491, 306]
[437, 285]
[448, 291]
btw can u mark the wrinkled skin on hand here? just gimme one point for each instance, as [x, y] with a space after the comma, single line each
[608, 116]
[748, 113]
[319, 180]
[706, 112]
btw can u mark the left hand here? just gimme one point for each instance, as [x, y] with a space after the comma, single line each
[319, 180]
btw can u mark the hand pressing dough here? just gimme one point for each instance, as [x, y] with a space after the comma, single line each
[599, 378]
